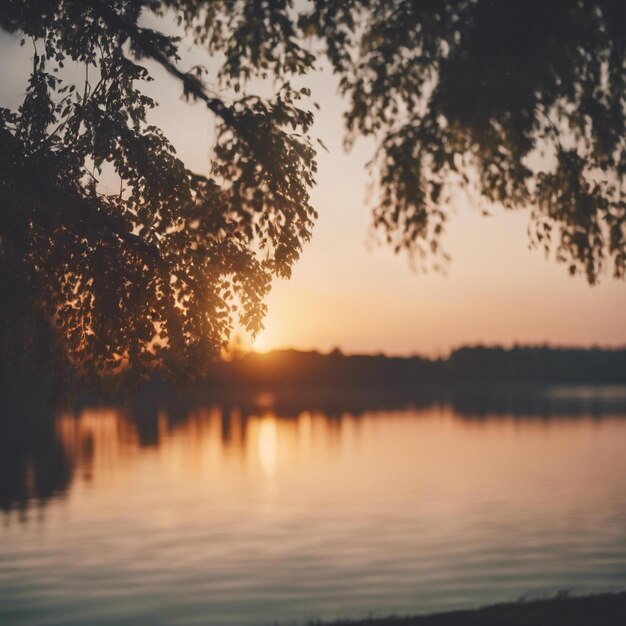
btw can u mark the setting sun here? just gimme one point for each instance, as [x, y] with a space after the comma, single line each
[261, 342]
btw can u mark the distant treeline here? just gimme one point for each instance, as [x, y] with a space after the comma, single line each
[467, 370]
[541, 365]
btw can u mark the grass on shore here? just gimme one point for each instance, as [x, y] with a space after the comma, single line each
[607, 609]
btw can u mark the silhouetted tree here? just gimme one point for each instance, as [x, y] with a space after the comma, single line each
[522, 100]
[148, 277]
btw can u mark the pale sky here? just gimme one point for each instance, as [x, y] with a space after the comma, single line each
[360, 298]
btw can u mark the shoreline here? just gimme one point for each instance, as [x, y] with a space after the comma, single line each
[605, 609]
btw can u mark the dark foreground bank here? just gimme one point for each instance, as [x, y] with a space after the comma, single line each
[608, 609]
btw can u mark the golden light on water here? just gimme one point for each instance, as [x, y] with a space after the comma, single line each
[229, 448]
[267, 445]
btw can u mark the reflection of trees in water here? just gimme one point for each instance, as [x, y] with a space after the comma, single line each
[40, 455]
[521, 401]
[34, 465]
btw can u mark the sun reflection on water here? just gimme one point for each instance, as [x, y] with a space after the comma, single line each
[268, 445]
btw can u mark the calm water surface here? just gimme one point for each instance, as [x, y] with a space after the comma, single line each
[233, 514]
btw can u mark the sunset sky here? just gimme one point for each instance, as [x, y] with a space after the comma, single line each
[359, 297]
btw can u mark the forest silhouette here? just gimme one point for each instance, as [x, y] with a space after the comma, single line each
[471, 364]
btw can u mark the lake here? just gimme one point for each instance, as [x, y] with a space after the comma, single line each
[286, 507]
